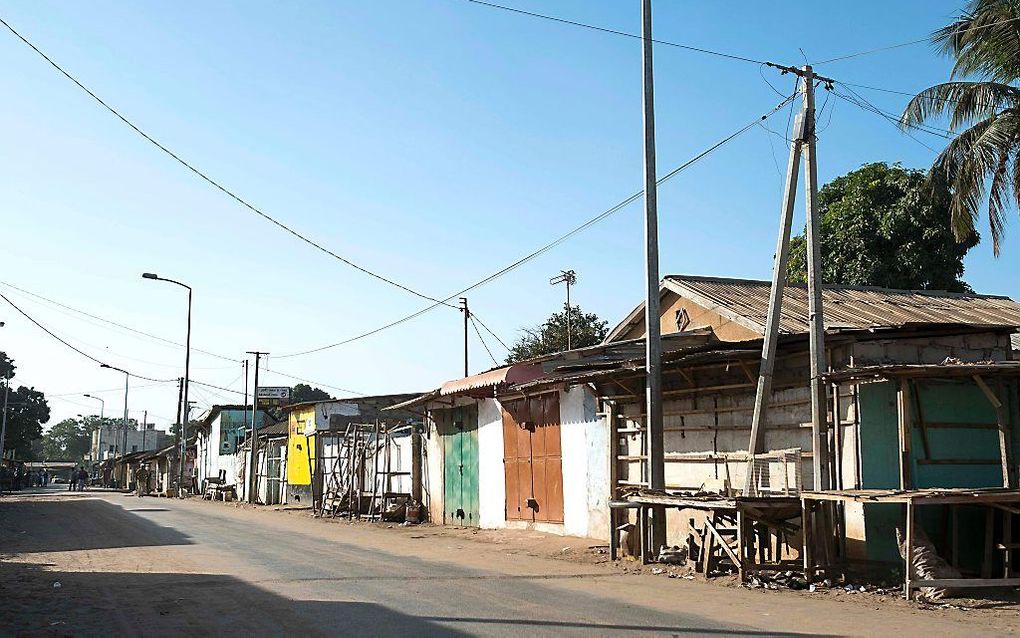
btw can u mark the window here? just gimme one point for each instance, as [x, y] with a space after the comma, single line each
[134, 448]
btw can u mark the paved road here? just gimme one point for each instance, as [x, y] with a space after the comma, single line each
[160, 566]
[157, 567]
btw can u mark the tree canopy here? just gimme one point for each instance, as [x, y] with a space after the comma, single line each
[68, 440]
[980, 163]
[888, 226]
[303, 392]
[27, 410]
[586, 329]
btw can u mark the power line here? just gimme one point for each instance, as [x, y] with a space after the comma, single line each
[613, 31]
[905, 44]
[556, 242]
[494, 335]
[212, 182]
[114, 323]
[485, 345]
[315, 383]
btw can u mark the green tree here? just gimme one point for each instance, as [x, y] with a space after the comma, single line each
[68, 440]
[980, 163]
[886, 226]
[586, 329]
[302, 392]
[27, 410]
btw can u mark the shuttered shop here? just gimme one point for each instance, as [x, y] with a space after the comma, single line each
[533, 460]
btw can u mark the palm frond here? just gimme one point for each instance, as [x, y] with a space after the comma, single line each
[964, 102]
[983, 40]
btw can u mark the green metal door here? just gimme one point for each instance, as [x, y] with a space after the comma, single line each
[460, 466]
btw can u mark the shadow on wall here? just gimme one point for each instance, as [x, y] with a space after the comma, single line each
[98, 603]
[77, 524]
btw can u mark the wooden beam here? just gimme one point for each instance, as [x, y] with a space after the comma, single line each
[722, 543]
[903, 426]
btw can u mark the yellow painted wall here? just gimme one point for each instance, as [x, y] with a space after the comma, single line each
[299, 446]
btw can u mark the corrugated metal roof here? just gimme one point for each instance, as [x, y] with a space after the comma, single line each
[1015, 340]
[492, 378]
[850, 307]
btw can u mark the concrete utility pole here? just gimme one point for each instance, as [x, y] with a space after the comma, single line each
[252, 465]
[568, 277]
[816, 328]
[656, 470]
[145, 427]
[803, 144]
[467, 316]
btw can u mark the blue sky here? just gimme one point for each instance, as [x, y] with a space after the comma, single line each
[433, 141]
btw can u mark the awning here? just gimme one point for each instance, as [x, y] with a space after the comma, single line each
[491, 379]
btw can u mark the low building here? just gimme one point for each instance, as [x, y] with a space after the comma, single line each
[111, 440]
[218, 439]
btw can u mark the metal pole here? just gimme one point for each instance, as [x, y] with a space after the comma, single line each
[653, 354]
[3, 428]
[252, 483]
[145, 426]
[467, 315]
[187, 406]
[569, 347]
[815, 311]
[768, 353]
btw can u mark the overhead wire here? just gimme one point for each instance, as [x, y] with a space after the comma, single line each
[315, 383]
[480, 338]
[209, 180]
[494, 335]
[552, 244]
[858, 54]
[593, 27]
[114, 323]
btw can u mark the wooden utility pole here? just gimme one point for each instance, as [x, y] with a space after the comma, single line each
[656, 469]
[252, 466]
[568, 277]
[803, 144]
[467, 316]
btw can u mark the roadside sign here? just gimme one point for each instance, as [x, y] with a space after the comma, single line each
[272, 396]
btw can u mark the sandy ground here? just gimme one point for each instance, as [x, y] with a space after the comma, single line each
[159, 567]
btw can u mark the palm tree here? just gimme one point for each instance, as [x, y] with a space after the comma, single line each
[983, 114]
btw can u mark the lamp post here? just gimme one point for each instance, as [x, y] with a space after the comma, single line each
[124, 425]
[187, 367]
[102, 411]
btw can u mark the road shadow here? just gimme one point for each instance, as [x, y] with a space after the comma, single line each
[162, 604]
[77, 524]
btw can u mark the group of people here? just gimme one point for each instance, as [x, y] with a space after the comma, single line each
[79, 480]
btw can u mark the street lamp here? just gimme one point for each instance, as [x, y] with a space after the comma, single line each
[127, 375]
[102, 410]
[187, 369]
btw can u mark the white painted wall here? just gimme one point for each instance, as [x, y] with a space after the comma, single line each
[585, 465]
[491, 480]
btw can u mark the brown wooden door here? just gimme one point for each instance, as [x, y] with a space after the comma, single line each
[533, 465]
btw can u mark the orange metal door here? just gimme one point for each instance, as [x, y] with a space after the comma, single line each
[547, 459]
[514, 469]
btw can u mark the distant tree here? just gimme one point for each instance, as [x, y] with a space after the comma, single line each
[27, 410]
[886, 226]
[68, 440]
[303, 392]
[586, 329]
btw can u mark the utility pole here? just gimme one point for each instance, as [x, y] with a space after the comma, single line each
[816, 328]
[804, 141]
[145, 427]
[568, 277]
[180, 410]
[3, 428]
[656, 469]
[252, 466]
[467, 315]
[246, 390]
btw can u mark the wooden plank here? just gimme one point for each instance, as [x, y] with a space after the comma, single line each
[807, 553]
[903, 426]
[960, 583]
[920, 421]
[722, 543]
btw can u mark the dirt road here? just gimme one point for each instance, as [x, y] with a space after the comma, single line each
[161, 566]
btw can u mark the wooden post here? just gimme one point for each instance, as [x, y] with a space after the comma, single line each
[986, 565]
[1002, 421]
[903, 423]
[808, 553]
[908, 552]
